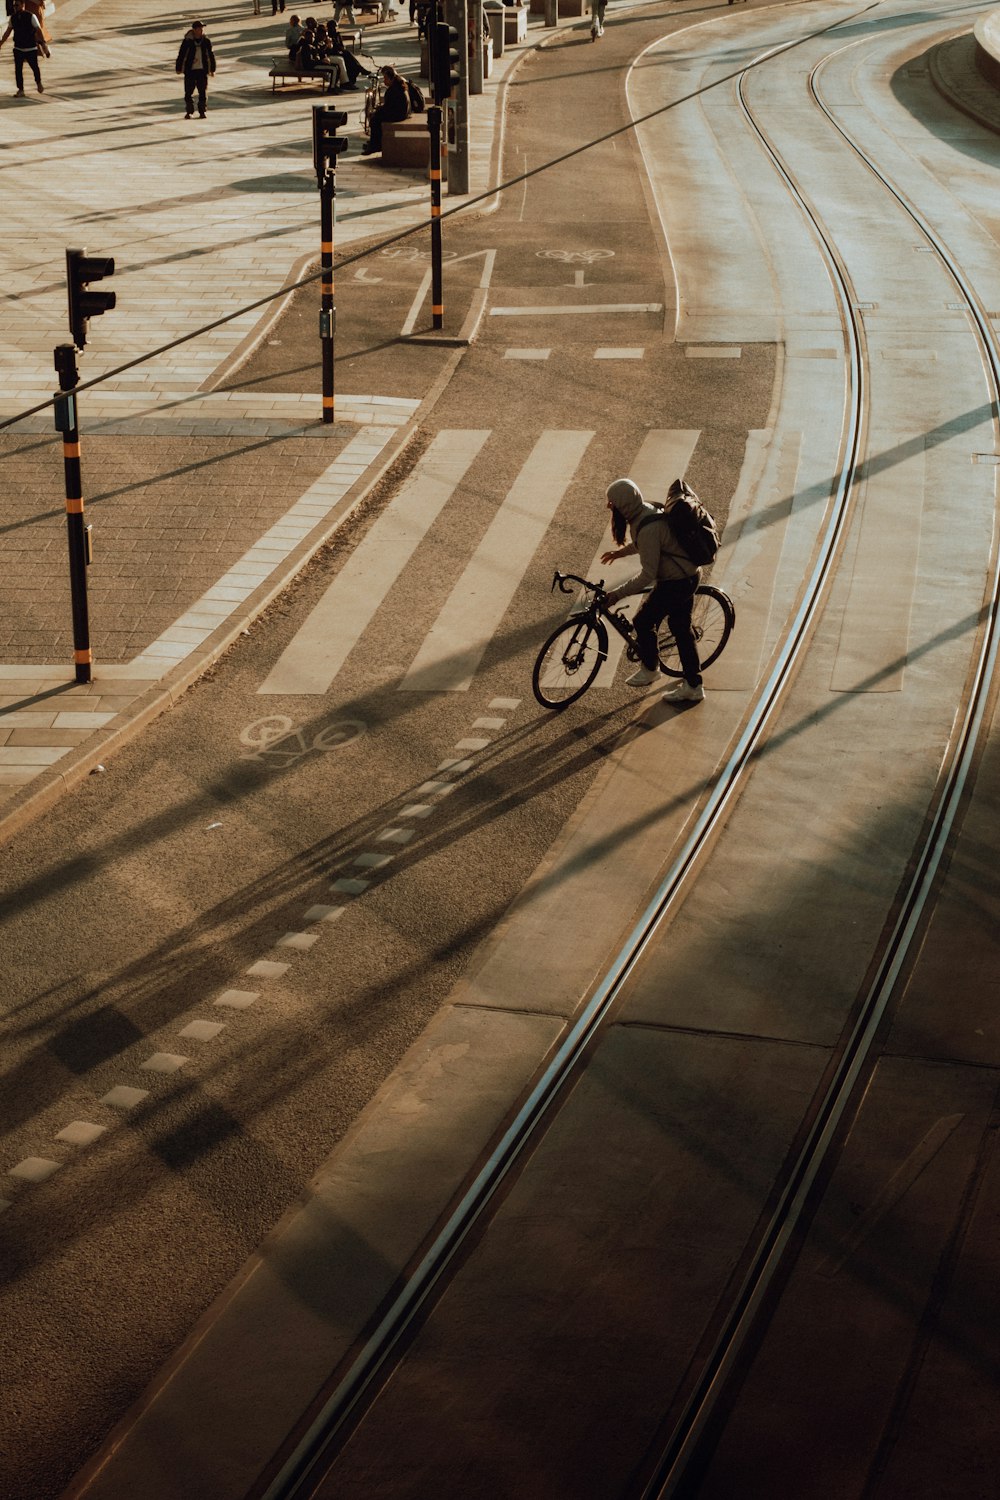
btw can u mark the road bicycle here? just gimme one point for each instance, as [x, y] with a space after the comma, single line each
[374, 90]
[572, 656]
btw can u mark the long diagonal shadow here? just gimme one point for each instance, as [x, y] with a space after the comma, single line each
[185, 1127]
[534, 770]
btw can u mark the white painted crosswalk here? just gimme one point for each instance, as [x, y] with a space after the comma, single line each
[316, 654]
[454, 647]
[449, 655]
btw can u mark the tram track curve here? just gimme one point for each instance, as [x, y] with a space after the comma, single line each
[856, 1049]
[303, 1468]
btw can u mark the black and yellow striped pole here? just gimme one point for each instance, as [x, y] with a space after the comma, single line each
[78, 532]
[327, 146]
[437, 278]
[328, 308]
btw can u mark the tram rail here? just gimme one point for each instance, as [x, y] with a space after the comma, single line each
[665, 1468]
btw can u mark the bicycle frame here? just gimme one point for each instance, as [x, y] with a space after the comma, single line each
[596, 607]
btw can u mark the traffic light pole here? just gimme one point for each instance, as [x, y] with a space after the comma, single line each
[327, 146]
[328, 308]
[78, 533]
[437, 277]
[457, 14]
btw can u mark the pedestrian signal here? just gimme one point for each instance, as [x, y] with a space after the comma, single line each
[446, 61]
[327, 144]
[81, 270]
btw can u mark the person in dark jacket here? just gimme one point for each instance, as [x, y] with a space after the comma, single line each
[667, 571]
[337, 49]
[395, 106]
[28, 40]
[196, 61]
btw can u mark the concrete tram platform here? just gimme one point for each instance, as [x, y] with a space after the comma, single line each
[965, 69]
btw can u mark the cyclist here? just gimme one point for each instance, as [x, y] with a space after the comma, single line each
[666, 569]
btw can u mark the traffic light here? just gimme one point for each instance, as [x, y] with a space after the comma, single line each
[327, 144]
[445, 61]
[81, 270]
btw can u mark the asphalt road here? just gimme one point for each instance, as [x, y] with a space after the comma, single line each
[204, 844]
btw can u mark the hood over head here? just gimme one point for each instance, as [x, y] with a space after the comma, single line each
[626, 497]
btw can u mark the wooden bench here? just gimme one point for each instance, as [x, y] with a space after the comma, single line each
[287, 70]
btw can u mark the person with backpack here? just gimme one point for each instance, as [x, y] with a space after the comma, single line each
[28, 40]
[664, 541]
[395, 106]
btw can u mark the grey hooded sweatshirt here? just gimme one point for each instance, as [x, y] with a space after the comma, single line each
[660, 554]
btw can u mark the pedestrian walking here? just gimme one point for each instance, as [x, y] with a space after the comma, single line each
[28, 42]
[340, 7]
[670, 575]
[276, 6]
[597, 9]
[196, 61]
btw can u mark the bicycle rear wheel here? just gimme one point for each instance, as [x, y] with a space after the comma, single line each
[712, 620]
[568, 662]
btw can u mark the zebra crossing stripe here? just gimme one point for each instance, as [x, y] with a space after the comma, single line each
[313, 658]
[454, 646]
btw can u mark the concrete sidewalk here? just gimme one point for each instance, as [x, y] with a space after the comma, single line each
[203, 217]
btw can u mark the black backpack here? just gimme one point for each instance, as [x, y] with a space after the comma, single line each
[417, 102]
[692, 526]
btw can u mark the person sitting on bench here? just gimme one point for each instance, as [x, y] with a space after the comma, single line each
[395, 106]
[338, 52]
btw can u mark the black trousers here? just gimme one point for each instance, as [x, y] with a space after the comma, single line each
[670, 600]
[23, 55]
[195, 78]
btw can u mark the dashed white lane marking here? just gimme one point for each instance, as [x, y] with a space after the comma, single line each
[579, 307]
[320, 647]
[454, 646]
[300, 941]
[123, 1097]
[82, 1133]
[236, 999]
[619, 353]
[526, 353]
[35, 1168]
[164, 1062]
[203, 1031]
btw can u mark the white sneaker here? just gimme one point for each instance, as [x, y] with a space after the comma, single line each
[683, 692]
[642, 678]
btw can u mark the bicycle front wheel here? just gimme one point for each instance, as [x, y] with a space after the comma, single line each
[568, 662]
[712, 620]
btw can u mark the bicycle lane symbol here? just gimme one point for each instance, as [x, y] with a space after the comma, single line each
[275, 740]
